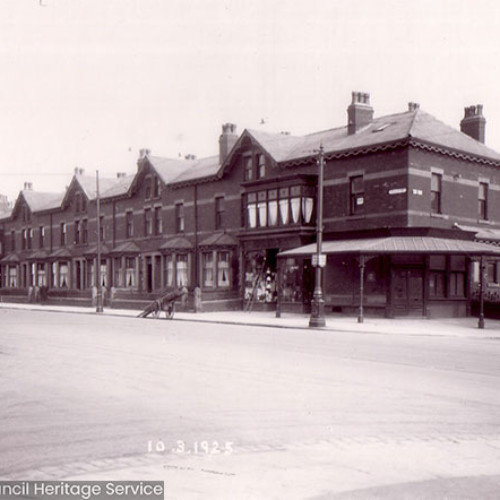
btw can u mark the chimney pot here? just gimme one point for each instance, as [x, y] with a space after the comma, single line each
[227, 140]
[120, 175]
[473, 123]
[143, 152]
[359, 112]
[413, 106]
[28, 186]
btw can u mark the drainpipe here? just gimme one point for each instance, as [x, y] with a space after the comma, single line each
[196, 256]
[480, 323]
[361, 287]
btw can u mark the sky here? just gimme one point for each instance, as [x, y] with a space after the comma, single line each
[87, 83]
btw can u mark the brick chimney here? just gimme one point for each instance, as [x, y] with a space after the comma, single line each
[28, 186]
[413, 106]
[473, 123]
[143, 152]
[227, 140]
[359, 112]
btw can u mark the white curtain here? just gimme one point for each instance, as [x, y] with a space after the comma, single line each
[295, 209]
[12, 276]
[307, 209]
[262, 214]
[63, 275]
[252, 215]
[284, 211]
[169, 269]
[208, 269]
[223, 269]
[273, 213]
[181, 266]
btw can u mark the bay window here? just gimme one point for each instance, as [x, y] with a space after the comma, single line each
[283, 206]
[208, 269]
[223, 269]
[181, 270]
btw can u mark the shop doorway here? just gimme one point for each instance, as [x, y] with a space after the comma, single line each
[407, 291]
[149, 274]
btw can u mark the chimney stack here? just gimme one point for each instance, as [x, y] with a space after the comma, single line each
[79, 171]
[413, 106]
[473, 123]
[28, 186]
[143, 152]
[359, 112]
[190, 157]
[227, 140]
[120, 175]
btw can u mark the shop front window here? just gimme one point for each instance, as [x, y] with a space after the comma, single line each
[291, 281]
[260, 279]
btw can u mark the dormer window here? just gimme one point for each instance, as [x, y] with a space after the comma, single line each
[248, 175]
[261, 166]
[26, 214]
[148, 187]
[156, 187]
[80, 203]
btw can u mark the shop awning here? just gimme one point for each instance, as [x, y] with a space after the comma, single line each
[482, 233]
[397, 245]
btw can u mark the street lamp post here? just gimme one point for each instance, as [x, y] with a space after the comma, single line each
[99, 307]
[317, 318]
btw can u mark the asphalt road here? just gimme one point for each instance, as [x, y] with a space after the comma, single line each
[278, 412]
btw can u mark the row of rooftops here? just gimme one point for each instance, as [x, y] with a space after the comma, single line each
[363, 133]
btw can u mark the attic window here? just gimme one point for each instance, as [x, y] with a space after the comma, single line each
[381, 127]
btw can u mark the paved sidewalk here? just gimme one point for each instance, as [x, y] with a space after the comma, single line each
[453, 327]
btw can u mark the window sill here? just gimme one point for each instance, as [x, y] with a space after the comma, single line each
[485, 222]
[356, 217]
[439, 216]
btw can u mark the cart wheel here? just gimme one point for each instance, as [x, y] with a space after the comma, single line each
[170, 311]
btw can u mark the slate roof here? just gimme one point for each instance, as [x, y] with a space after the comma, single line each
[219, 239]
[119, 187]
[169, 168]
[482, 233]
[42, 201]
[88, 184]
[128, 247]
[177, 243]
[399, 245]
[415, 124]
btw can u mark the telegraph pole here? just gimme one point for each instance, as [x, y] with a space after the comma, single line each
[99, 307]
[317, 318]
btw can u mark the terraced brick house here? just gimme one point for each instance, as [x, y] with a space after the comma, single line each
[411, 216]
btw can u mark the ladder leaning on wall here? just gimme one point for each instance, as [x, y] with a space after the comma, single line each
[256, 283]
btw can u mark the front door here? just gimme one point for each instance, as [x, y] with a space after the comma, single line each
[407, 287]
